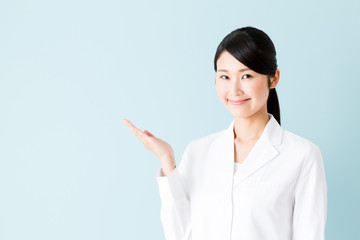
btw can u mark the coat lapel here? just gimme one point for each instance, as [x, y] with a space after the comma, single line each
[263, 151]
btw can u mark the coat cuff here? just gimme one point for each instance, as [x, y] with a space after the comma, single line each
[170, 186]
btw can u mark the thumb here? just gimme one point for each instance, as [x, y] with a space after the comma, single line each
[148, 133]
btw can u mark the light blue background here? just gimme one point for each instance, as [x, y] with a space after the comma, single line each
[71, 70]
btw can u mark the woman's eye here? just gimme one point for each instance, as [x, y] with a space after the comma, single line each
[223, 77]
[246, 76]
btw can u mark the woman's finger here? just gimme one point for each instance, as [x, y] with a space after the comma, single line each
[136, 131]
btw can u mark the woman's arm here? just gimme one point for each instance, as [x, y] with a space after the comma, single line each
[310, 199]
[175, 203]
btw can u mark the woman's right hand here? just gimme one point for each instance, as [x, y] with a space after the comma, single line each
[157, 146]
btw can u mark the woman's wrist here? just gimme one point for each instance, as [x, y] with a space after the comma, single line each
[167, 166]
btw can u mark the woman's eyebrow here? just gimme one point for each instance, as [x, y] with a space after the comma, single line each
[241, 70]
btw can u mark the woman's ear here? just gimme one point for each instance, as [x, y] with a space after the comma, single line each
[275, 79]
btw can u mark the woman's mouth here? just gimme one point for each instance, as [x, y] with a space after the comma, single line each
[239, 102]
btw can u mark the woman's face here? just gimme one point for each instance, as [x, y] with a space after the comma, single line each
[242, 91]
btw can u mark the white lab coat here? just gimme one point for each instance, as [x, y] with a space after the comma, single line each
[280, 194]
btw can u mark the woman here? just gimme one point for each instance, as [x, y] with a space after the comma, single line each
[253, 180]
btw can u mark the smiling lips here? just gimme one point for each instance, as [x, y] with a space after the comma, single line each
[239, 102]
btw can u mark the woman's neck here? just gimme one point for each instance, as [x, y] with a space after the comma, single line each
[250, 128]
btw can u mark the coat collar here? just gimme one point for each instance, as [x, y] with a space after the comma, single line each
[262, 152]
[272, 131]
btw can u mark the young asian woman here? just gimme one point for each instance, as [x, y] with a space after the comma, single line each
[254, 180]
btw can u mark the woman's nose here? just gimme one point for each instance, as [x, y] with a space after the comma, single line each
[236, 87]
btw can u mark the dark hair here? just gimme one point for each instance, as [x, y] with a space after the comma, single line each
[253, 48]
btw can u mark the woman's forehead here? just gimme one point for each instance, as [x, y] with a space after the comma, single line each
[228, 62]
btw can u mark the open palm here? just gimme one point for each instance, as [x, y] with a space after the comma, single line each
[156, 145]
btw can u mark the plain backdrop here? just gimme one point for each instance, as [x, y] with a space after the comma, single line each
[71, 70]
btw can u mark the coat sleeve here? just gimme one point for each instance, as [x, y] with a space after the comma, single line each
[310, 199]
[175, 202]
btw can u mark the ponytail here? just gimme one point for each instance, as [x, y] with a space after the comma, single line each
[273, 106]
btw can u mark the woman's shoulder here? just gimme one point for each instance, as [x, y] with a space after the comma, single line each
[294, 140]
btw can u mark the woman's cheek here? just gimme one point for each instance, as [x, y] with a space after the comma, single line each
[221, 91]
[258, 88]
